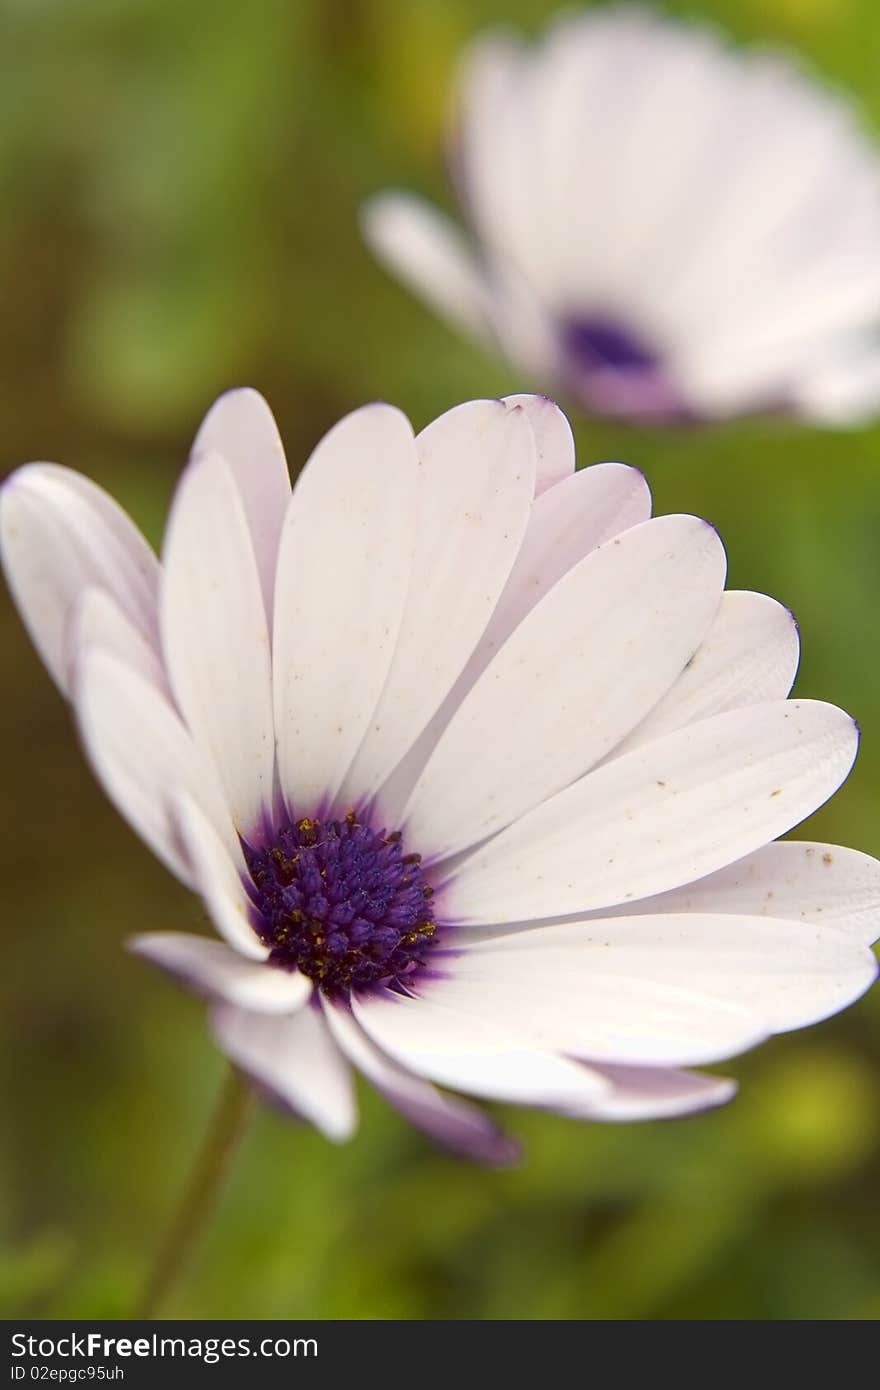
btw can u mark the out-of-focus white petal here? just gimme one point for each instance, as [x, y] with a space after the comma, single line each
[761, 367]
[660, 816]
[343, 574]
[61, 534]
[430, 255]
[456, 1125]
[215, 971]
[294, 1061]
[524, 324]
[476, 482]
[142, 754]
[242, 428]
[582, 669]
[498, 196]
[472, 1052]
[749, 655]
[844, 392]
[215, 637]
[612, 96]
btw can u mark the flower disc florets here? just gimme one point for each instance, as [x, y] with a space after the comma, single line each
[342, 903]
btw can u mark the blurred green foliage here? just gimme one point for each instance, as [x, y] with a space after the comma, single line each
[179, 184]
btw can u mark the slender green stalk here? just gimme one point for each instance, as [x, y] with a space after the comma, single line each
[201, 1194]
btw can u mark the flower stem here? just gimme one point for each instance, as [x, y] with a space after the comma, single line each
[201, 1194]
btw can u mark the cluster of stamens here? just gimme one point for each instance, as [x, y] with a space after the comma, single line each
[342, 903]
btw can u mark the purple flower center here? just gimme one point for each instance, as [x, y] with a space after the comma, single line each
[615, 372]
[599, 343]
[342, 903]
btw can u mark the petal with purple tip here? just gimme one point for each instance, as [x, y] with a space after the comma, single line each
[293, 1060]
[456, 1125]
[469, 1051]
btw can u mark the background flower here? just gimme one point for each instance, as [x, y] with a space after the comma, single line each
[172, 225]
[660, 226]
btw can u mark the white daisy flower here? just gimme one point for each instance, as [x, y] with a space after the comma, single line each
[660, 226]
[476, 767]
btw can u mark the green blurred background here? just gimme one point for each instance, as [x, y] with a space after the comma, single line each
[179, 187]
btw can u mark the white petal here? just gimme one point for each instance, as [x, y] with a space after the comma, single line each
[476, 483]
[707, 256]
[749, 655]
[567, 521]
[542, 132]
[461, 1048]
[494, 135]
[658, 1093]
[97, 620]
[808, 317]
[584, 99]
[60, 535]
[661, 816]
[785, 975]
[586, 664]
[524, 324]
[557, 1000]
[141, 753]
[456, 1125]
[430, 254]
[242, 428]
[213, 970]
[826, 885]
[217, 877]
[294, 1061]
[343, 573]
[843, 393]
[554, 441]
[215, 636]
